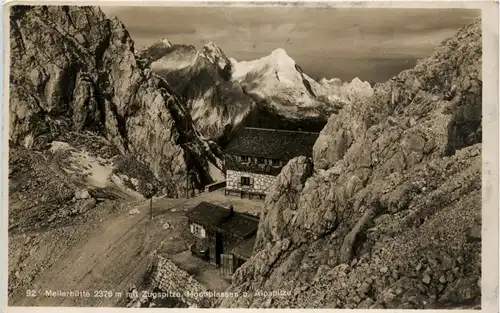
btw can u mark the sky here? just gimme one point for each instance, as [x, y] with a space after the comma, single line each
[372, 44]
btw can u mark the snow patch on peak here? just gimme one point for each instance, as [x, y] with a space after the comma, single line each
[280, 57]
[278, 62]
[233, 61]
[277, 76]
[331, 82]
[279, 53]
[356, 80]
[358, 88]
[359, 83]
[350, 91]
[166, 42]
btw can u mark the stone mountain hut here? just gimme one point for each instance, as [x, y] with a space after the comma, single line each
[255, 156]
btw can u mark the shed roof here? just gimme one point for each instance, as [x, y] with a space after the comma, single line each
[245, 248]
[272, 143]
[208, 214]
[219, 217]
[240, 224]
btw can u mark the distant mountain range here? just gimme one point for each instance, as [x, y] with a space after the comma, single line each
[224, 94]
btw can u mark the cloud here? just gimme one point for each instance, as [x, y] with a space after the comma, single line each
[211, 34]
[156, 31]
[330, 42]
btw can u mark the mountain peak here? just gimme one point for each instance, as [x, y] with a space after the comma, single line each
[166, 42]
[331, 82]
[279, 52]
[211, 45]
[280, 56]
[360, 83]
[211, 49]
[213, 54]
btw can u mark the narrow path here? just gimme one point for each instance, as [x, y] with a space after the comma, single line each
[106, 261]
[117, 254]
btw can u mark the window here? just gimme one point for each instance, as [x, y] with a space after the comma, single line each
[198, 230]
[261, 161]
[244, 159]
[276, 162]
[246, 181]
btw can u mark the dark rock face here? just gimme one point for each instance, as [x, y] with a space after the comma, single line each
[387, 213]
[74, 69]
[202, 79]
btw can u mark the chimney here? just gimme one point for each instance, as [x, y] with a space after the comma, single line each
[231, 210]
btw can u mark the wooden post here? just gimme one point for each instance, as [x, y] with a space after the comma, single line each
[187, 159]
[187, 170]
[151, 208]
[187, 183]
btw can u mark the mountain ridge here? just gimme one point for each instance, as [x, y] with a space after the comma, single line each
[269, 92]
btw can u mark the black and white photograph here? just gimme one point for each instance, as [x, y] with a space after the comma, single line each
[246, 155]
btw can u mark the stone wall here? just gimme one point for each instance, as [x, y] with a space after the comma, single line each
[261, 182]
[170, 278]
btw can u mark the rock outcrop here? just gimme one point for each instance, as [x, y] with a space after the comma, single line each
[387, 213]
[74, 69]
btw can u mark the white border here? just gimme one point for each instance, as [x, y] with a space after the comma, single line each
[490, 147]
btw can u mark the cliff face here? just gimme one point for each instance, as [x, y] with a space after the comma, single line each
[202, 78]
[74, 69]
[388, 212]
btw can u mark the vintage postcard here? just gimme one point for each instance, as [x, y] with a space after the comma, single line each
[338, 155]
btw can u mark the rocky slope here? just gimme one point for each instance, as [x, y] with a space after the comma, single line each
[224, 94]
[387, 214]
[74, 69]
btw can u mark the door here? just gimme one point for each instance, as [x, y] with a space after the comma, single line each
[227, 265]
[219, 248]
